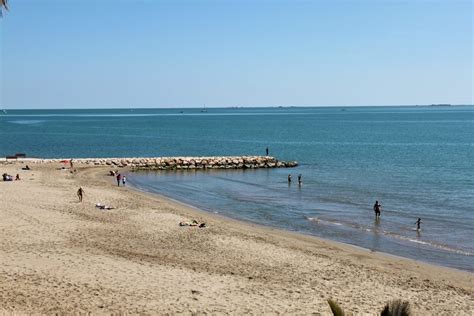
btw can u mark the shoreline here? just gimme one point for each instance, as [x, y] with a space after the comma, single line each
[423, 250]
[291, 234]
[137, 259]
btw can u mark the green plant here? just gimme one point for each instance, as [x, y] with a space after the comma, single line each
[396, 308]
[393, 308]
[335, 308]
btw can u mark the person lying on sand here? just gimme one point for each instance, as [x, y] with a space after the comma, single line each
[7, 177]
[193, 223]
[104, 207]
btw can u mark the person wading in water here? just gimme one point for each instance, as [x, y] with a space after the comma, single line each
[418, 224]
[377, 207]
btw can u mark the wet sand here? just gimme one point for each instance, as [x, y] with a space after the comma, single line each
[61, 256]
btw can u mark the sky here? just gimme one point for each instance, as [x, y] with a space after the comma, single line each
[152, 53]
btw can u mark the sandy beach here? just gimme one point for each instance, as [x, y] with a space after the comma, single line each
[58, 255]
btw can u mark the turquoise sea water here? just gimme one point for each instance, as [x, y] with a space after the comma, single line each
[417, 161]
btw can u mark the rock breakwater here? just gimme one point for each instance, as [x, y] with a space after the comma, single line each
[178, 163]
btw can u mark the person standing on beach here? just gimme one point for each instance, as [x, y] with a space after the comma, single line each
[119, 177]
[124, 179]
[70, 163]
[377, 207]
[80, 193]
[418, 224]
[266, 151]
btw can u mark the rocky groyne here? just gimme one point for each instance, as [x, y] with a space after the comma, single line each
[174, 163]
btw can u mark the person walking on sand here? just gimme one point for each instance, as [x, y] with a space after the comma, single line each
[418, 224]
[80, 193]
[70, 163]
[124, 179]
[119, 177]
[377, 207]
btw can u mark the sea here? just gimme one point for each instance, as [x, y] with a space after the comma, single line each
[417, 161]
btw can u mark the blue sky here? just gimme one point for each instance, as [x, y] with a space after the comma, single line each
[151, 53]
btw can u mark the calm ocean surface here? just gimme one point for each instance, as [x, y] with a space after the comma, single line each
[417, 161]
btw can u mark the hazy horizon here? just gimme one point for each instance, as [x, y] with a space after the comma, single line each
[238, 107]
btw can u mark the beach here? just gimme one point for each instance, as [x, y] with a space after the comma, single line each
[58, 255]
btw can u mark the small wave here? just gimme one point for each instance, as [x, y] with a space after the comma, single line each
[394, 235]
[318, 220]
[419, 241]
[26, 122]
[432, 244]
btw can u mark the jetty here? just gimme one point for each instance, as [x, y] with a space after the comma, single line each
[170, 163]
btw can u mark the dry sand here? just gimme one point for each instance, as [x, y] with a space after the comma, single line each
[61, 256]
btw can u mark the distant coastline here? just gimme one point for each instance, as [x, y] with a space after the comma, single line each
[234, 107]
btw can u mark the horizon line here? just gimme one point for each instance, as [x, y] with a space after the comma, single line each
[243, 107]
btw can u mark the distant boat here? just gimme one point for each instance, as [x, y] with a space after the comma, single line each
[204, 110]
[441, 104]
